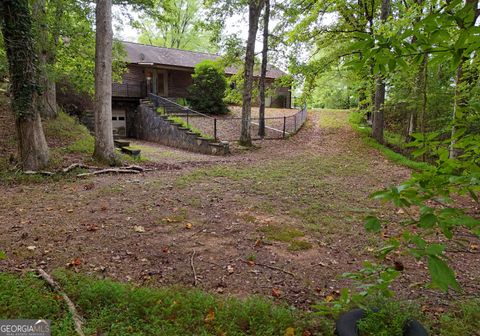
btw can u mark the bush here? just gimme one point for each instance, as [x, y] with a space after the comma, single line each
[208, 88]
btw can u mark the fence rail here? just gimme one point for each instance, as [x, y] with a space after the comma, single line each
[229, 128]
[137, 90]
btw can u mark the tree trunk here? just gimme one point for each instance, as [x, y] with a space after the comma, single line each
[19, 45]
[420, 96]
[378, 111]
[263, 73]
[378, 121]
[458, 104]
[254, 9]
[104, 149]
[47, 100]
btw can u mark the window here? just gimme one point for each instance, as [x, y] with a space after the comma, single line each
[121, 118]
[114, 118]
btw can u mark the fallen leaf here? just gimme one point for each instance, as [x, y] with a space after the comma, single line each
[138, 228]
[276, 292]
[188, 225]
[251, 262]
[92, 227]
[75, 262]
[306, 333]
[70, 210]
[31, 247]
[210, 316]
[474, 247]
[329, 298]
[289, 332]
[230, 269]
[89, 186]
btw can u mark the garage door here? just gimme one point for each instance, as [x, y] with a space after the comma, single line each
[119, 122]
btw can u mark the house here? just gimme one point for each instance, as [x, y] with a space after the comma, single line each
[167, 73]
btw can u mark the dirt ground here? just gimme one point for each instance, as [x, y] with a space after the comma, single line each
[283, 220]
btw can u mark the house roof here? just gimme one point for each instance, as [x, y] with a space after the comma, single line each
[143, 53]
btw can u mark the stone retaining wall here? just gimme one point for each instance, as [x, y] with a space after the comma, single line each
[150, 126]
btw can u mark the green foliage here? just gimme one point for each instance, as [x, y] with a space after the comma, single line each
[119, 309]
[3, 60]
[208, 89]
[356, 120]
[17, 32]
[175, 24]
[464, 319]
[388, 318]
[372, 283]
[434, 191]
[28, 297]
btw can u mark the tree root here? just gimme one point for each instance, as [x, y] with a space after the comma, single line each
[77, 319]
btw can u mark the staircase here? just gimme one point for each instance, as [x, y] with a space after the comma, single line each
[155, 126]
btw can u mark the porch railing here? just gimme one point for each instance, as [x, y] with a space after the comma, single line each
[129, 90]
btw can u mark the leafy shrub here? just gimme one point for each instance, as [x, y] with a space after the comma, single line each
[208, 88]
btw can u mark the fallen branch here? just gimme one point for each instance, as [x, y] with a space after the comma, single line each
[133, 167]
[43, 172]
[77, 165]
[71, 307]
[110, 170]
[195, 280]
[271, 267]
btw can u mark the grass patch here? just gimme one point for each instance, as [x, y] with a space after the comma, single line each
[184, 124]
[281, 233]
[389, 318]
[111, 308]
[299, 245]
[356, 119]
[74, 136]
[27, 297]
[310, 187]
[464, 319]
[329, 118]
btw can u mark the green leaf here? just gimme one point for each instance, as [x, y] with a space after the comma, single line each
[435, 249]
[427, 221]
[372, 224]
[442, 275]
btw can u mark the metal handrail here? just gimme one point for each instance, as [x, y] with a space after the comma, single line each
[183, 108]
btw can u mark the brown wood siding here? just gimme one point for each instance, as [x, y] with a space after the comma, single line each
[134, 74]
[178, 81]
[132, 85]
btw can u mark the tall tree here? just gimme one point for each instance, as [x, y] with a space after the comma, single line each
[254, 11]
[464, 22]
[174, 24]
[263, 71]
[104, 149]
[378, 121]
[21, 54]
[46, 41]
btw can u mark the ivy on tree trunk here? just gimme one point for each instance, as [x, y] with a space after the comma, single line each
[22, 62]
